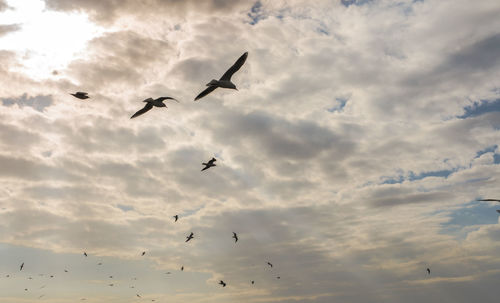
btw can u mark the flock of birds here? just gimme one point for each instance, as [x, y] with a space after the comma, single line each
[223, 82]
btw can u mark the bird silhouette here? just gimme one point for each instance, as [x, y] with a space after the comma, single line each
[99, 263]
[138, 296]
[428, 271]
[85, 254]
[490, 200]
[21, 267]
[189, 237]
[278, 277]
[209, 164]
[143, 253]
[225, 80]
[150, 102]
[222, 283]
[235, 237]
[81, 95]
[253, 282]
[176, 217]
[269, 263]
[182, 268]
[65, 270]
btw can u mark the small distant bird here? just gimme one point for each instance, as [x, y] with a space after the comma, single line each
[235, 237]
[30, 278]
[253, 282]
[269, 263]
[168, 273]
[52, 276]
[65, 270]
[182, 268]
[138, 296]
[132, 286]
[111, 277]
[150, 102]
[225, 80]
[26, 289]
[209, 164]
[428, 271]
[176, 217]
[490, 200]
[81, 95]
[111, 284]
[143, 253]
[222, 283]
[189, 237]
[21, 268]
[7, 276]
[278, 277]
[99, 263]
[85, 254]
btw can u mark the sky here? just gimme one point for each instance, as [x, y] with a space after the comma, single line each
[352, 156]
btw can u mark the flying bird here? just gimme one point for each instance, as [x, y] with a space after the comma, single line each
[143, 253]
[209, 164]
[182, 268]
[111, 284]
[150, 102]
[138, 296]
[111, 277]
[21, 267]
[235, 237]
[222, 283]
[490, 200]
[99, 263]
[85, 254]
[269, 263]
[65, 270]
[176, 217]
[253, 282]
[189, 237]
[81, 95]
[225, 80]
[278, 277]
[428, 271]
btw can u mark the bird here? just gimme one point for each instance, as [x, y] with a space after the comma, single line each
[253, 282]
[85, 254]
[209, 164]
[143, 253]
[176, 217]
[138, 296]
[269, 263]
[222, 283]
[235, 237]
[168, 273]
[111, 284]
[182, 268]
[225, 80]
[99, 263]
[490, 200]
[428, 271]
[65, 270]
[150, 102]
[21, 267]
[111, 277]
[25, 289]
[278, 277]
[81, 95]
[189, 237]
[51, 276]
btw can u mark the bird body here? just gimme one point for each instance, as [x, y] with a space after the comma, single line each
[269, 263]
[80, 95]
[85, 254]
[143, 253]
[150, 103]
[490, 200]
[225, 80]
[21, 267]
[235, 237]
[428, 271]
[191, 236]
[176, 217]
[209, 164]
[222, 283]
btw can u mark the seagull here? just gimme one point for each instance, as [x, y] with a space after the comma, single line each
[189, 237]
[143, 253]
[269, 263]
[253, 282]
[490, 200]
[26, 289]
[21, 268]
[209, 164]
[225, 80]
[81, 95]
[138, 296]
[235, 237]
[176, 217]
[182, 268]
[85, 254]
[222, 283]
[150, 103]
[428, 271]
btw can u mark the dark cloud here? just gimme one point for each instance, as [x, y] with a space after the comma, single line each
[37, 102]
[108, 11]
[5, 29]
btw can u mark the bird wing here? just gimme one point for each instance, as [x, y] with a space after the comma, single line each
[207, 91]
[233, 69]
[167, 98]
[495, 200]
[146, 108]
[82, 93]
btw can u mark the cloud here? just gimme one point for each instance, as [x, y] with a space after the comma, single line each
[6, 29]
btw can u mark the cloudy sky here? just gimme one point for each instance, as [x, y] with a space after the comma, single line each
[351, 157]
